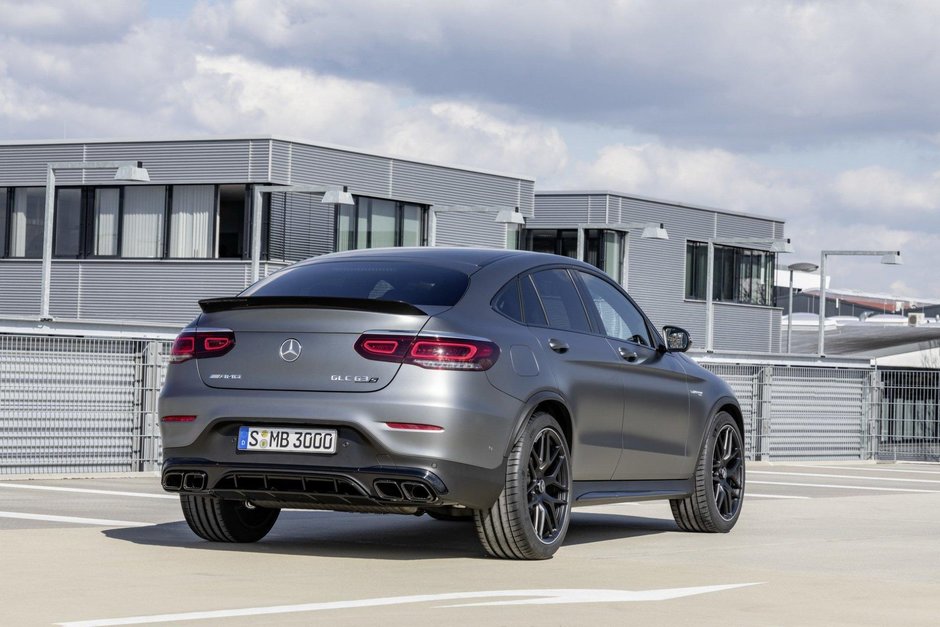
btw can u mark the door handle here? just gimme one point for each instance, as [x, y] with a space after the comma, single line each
[558, 346]
[628, 354]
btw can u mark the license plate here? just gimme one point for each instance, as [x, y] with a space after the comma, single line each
[287, 440]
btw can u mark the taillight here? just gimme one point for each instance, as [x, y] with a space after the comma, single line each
[440, 353]
[201, 344]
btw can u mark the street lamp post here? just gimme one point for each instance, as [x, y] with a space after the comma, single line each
[504, 215]
[132, 171]
[803, 266]
[332, 195]
[776, 245]
[888, 257]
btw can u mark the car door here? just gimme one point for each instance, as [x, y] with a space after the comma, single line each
[655, 386]
[584, 366]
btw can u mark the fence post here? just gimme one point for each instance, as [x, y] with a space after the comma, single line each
[149, 391]
[763, 393]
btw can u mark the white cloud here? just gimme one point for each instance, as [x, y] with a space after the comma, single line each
[886, 190]
[700, 176]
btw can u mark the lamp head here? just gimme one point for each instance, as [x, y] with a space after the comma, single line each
[782, 246]
[655, 232]
[892, 259]
[508, 216]
[803, 266]
[338, 197]
[132, 173]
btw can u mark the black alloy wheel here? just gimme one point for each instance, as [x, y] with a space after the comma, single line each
[728, 472]
[718, 485]
[530, 517]
[547, 485]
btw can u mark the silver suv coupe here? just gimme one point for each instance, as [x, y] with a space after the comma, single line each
[498, 386]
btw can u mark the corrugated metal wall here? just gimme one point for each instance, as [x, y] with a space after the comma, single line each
[470, 229]
[164, 292]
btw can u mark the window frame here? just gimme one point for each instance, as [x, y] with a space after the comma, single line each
[764, 259]
[87, 227]
[366, 201]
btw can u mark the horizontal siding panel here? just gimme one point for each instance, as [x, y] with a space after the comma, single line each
[19, 288]
[597, 209]
[526, 198]
[559, 210]
[439, 185]
[281, 162]
[744, 226]
[210, 161]
[364, 174]
[470, 229]
[26, 165]
[258, 150]
[156, 292]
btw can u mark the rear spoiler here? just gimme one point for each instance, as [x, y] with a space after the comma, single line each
[212, 305]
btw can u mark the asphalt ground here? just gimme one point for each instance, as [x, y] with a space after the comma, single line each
[817, 544]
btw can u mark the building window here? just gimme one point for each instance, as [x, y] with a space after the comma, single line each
[233, 214]
[378, 223]
[741, 275]
[106, 218]
[134, 222]
[4, 219]
[26, 222]
[67, 237]
[192, 221]
[143, 221]
[603, 248]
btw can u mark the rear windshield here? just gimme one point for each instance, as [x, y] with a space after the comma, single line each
[409, 282]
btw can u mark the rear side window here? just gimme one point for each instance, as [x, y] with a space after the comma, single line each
[534, 314]
[561, 301]
[507, 301]
[409, 282]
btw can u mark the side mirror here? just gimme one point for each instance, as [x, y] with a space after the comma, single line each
[677, 340]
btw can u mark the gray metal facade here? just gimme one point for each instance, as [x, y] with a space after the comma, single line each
[655, 269]
[165, 290]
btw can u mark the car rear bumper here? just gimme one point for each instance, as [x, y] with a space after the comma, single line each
[399, 489]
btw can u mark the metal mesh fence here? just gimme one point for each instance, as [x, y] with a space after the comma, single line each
[906, 423]
[79, 405]
[73, 404]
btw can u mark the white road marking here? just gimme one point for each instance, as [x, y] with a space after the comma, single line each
[772, 496]
[846, 487]
[813, 474]
[880, 469]
[143, 495]
[98, 522]
[543, 597]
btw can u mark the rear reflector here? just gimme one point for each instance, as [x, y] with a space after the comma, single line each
[413, 426]
[439, 353]
[201, 344]
[178, 418]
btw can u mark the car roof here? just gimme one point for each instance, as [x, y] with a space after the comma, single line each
[467, 259]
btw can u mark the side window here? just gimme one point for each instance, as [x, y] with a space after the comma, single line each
[621, 319]
[532, 307]
[507, 301]
[563, 306]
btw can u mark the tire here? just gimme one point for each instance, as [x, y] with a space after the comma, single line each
[530, 517]
[450, 514]
[715, 504]
[217, 520]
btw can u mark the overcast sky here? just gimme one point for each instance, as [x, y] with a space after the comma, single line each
[824, 114]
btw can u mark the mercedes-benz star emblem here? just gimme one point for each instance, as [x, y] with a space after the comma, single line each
[290, 350]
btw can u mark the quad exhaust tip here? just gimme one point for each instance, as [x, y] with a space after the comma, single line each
[412, 491]
[187, 482]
